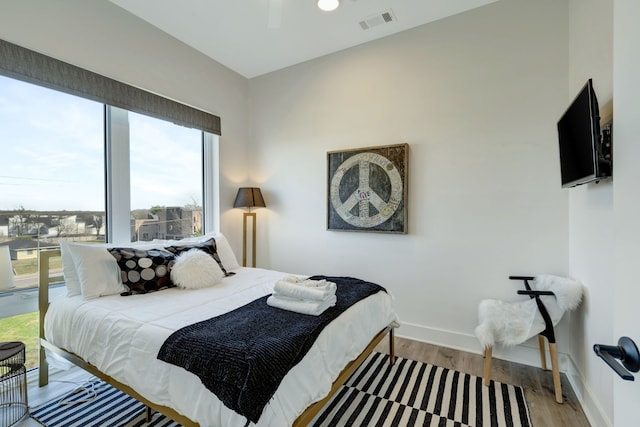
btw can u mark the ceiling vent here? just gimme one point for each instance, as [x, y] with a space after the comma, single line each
[385, 17]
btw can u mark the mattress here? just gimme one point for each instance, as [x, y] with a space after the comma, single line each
[121, 336]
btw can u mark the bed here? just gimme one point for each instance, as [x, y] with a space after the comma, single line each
[118, 338]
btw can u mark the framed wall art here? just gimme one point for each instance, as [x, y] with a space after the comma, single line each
[367, 189]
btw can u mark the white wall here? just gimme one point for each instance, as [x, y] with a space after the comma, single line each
[101, 37]
[591, 239]
[477, 97]
[626, 152]
[591, 227]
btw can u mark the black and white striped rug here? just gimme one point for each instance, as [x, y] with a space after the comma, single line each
[408, 393]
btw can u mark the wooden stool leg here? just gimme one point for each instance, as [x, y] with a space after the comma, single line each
[488, 351]
[556, 373]
[543, 356]
[148, 414]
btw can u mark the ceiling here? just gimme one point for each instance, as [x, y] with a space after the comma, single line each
[254, 37]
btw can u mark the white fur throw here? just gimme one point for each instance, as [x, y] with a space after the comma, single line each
[195, 269]
[512, 323]
[568, 292]
[505, 322]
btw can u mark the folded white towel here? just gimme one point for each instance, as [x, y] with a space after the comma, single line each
[294, 279]
[303, 281]
[317, 290]
[318, 284]
[314, 308]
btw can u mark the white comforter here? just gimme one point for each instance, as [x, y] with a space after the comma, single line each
[121, 336]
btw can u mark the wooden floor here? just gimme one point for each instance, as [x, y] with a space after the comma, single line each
[537, 384]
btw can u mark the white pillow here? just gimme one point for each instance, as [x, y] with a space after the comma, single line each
[227, 257]
[185, 241]
[195, 269]
[97, 270]
[69, 270]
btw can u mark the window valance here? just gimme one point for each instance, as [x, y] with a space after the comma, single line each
[33, 67]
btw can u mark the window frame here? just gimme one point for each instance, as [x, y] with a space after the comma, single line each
[118, 99]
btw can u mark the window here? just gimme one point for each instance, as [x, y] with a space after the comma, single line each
[51, 188]
[52, 180]
[53, 162]
[166, 179]
[55, 152]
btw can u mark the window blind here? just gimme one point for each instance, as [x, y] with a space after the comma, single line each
[33, 67]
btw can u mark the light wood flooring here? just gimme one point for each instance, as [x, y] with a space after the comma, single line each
[537, 384]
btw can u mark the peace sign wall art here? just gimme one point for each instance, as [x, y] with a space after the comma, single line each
[367, 189]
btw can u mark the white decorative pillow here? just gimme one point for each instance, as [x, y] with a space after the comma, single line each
[71, 279]
[195, 269]
[227, 257]
[225, 252]
[97, 270]
[185, 241]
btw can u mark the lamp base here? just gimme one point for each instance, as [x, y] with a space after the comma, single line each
[246, 215]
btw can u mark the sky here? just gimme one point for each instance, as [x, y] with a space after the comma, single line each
[52, 154]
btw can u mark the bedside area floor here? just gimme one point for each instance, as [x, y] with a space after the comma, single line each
[537, 384]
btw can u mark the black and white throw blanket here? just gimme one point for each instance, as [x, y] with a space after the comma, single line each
[242, 356]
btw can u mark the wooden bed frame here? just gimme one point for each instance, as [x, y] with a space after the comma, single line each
[43, 305]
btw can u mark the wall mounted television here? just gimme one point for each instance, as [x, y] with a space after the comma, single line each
[585, 151]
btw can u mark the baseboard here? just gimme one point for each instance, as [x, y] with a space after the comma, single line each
[590, 405]
[527, 354]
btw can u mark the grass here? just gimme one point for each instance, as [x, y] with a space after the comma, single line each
[30, 266]
[24, 328]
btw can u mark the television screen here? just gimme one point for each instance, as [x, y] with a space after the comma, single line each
[581, 158]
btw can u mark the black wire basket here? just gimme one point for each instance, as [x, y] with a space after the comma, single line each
[13, 384]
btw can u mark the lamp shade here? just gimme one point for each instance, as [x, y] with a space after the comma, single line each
[6, 269]
[249, 197]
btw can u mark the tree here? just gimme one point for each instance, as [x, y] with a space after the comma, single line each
[21, 219]
[156, 209]
[64, 226]
[193, 206]
[98, 221]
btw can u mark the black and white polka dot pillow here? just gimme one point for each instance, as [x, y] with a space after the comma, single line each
[145, 270]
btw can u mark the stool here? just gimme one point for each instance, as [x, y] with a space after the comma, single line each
[13, 384]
